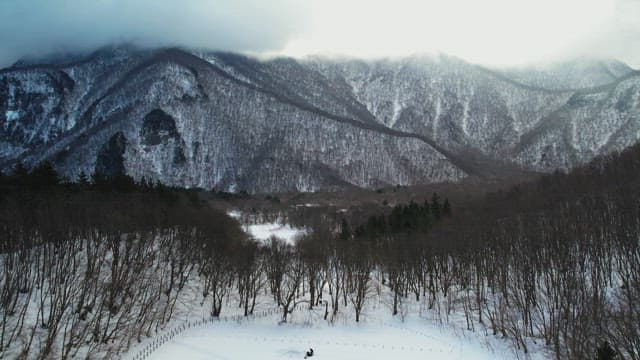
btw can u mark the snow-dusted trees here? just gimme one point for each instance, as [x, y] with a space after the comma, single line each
[313, 251]
[16, 281]
[276, 262]
[290, 285]
[217, 272]
[285, 272]
[250, 273]
[83, 271]
[555, 260]
[218, 259]
[358, 266]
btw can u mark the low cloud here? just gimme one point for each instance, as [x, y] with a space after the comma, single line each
[620, 38]
[33, 28]
[493, 32]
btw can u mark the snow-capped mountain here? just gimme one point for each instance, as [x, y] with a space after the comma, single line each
[233, 122]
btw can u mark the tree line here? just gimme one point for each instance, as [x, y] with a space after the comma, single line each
[555, 260]
[90, 266]
[45, 176]
[86, 272]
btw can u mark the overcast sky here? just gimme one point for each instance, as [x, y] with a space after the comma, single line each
[492, 32]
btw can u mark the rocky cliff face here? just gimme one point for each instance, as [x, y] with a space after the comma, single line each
[233, 122]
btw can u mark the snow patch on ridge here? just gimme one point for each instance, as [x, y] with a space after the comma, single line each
[397, 108]
[12, 115]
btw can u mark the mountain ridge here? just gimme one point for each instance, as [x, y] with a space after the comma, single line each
[471, 120]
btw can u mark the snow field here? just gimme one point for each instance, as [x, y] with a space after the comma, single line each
[266, 339]
[263, 231]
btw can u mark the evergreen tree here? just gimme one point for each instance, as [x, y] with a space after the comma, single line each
[83, 179]
[345, 234]
[395, 219]
[436, 208]
[44, 175]
[159, 187]
[446, 208]
[123, 183]
[426, 212]
[98, 179]
[606, 352]
[20, 173]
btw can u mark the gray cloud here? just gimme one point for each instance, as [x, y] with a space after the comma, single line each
[41, 27]
[619, 38]
[32, 28]
[625, 32]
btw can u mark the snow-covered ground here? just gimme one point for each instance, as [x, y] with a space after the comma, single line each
[415, 333]
[263, 231]
[391, 339]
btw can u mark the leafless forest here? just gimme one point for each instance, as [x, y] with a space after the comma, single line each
[91, 267]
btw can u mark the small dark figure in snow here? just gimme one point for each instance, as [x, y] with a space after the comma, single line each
[309, 353]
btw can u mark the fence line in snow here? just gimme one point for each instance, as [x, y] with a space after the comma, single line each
[168, 335]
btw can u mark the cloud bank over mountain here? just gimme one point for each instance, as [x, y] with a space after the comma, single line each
[490, 32]
[32, 28]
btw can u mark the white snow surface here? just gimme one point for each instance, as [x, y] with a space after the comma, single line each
[263, 231]
[12, 115]
[415, 338]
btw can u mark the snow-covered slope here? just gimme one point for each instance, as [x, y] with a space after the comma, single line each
[233, 122]
[576, 74]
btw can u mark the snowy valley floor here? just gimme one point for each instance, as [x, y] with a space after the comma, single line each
[265, 339]
[420, 335]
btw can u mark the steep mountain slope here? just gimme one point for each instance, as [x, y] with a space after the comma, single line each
[232, 122]
[576, 74]
[460, 105]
